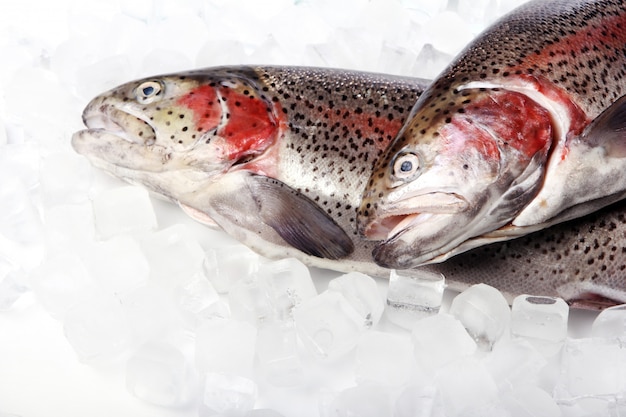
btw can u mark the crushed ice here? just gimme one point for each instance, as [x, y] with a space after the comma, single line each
[203, 325]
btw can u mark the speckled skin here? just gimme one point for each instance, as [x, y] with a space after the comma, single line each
[582, 261]
[573, 52]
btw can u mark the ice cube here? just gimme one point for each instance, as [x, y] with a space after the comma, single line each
[419, 401]
[611, 323]
[484, 312]
[102, 75]
[263, 412]
[228, 264]
[436, 32]
[163, 61]
[328, 325]
[194, 298]
[69, 225]
[160, 374]
[515, 362]
[249, 300]
[12, 284]
[384, 358]
[175, 257]
[439, 340]
[362, 401]
[228, 394]
[531, 401]
[121, 210]
[65, 178]
[288, 283]
[224, 345]
[465, 385]
[592, 367]
[118, 265]
[541, 320]
[410, 298]
[430, 62]
[61, 281]
[150, 313]
[96, 328]
[362, 293]
[21, 231]
[277, 353]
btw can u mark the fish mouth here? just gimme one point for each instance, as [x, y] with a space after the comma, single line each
[117, 122]
[412, 213]
[117, 140]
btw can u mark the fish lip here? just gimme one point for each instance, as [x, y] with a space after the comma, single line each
[411, 212]
[116, 121]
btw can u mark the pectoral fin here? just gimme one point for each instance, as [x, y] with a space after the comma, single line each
[580, 178]
[298, 220]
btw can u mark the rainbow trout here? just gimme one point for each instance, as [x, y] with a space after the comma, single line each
[293, 164]
[524, 129]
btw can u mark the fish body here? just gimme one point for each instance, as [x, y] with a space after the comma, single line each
[276, 156]
[524, 129]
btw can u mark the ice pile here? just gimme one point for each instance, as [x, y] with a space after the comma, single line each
[201, 325]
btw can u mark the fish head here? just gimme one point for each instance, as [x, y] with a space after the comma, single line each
[464, 164]
[194, 125]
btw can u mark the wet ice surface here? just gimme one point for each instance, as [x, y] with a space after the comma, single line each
[122, 302]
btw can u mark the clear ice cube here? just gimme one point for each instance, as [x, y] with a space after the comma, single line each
[531, 401]
[69, 225]
[419, 401]
[541, 320]
[122, 210]
[175, 257]
[118, 265]
[439, 340]
[94, 78]
[194, 299]
[362, 293]
[328, 325]
[362, 401]
[225, 345]
[227, 264]
[263, 412]
[384, 358]
[515, 362]
[611, 323]
[160, 374]
[97, 329]
[21, 231]
[592, 367]
[150, 313]
[484, 312]
[61, 281]
[410, 298]
[249, 300]
[12, 285]
[288, 283]
[466, 385]
[277, 353]
[228, 394]
[65, 178]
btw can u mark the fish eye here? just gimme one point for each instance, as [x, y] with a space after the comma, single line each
[148, 91]
[406, 166]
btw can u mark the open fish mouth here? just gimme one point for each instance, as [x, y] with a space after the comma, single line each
[423, 208]
[115, 140]
[113, 121]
